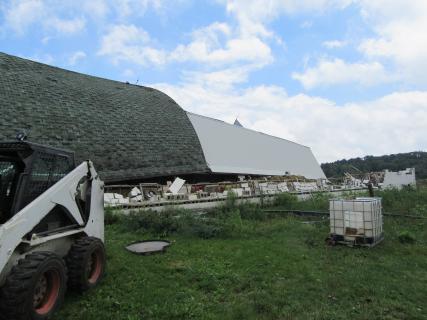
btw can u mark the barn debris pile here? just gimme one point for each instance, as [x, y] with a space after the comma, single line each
[179, 190]
[384, 179]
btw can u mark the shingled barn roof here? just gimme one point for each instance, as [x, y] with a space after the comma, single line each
[130, 132]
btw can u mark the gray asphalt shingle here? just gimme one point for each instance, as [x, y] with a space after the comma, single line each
[130, 132]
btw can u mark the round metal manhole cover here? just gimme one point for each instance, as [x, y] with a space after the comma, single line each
[148, 246]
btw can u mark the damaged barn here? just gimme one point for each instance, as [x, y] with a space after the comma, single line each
[136, 134]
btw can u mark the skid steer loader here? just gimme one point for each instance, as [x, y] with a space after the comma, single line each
[51, 229]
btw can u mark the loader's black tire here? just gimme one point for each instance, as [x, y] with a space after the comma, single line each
[35, 288]
[86, 263]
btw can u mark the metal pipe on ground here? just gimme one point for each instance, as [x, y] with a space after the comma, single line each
[326, 213]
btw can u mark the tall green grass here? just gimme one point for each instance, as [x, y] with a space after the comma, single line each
[230, 219]
[405, 201]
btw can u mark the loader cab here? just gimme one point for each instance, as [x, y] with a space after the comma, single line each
[26, 171]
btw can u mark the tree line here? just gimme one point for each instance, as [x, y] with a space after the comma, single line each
[393, 162]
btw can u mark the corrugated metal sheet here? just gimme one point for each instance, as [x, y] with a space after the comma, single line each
[233, 149]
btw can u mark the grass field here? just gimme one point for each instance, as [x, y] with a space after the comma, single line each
[246, 266]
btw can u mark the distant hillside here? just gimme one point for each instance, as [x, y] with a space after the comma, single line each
[393, 162]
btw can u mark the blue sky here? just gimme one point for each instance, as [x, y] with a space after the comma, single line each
[345, 77]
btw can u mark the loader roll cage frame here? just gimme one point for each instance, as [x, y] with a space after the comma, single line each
[26, 171]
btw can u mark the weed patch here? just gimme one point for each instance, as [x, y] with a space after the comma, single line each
[406, 237]
[408, 200]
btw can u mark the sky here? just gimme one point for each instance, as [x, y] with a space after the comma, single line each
[347, 78]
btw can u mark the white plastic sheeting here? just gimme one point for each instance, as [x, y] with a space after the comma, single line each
[233, 149]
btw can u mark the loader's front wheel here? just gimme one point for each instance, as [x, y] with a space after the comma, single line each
[35, 288]
[86, 263]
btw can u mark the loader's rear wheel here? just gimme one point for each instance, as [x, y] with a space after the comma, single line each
[86, 263]
[35, 288]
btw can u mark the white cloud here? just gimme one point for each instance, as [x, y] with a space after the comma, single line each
[334, 44]
[215, 44]
[253, 16]
[70, 16]
[76, 57]
[338, 72]
[220, 80]
[263, 11]
[306, 24]
[21, 14]
[96, 8]
[393, 123]
[401, 36]
[45, 40]
[208, 46]
[128, 74]
[130, 43]
[66, 26]
[126, 8]
[400, 40]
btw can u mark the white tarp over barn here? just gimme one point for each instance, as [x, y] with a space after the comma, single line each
[233, 149]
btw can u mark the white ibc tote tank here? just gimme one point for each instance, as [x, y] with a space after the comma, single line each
[356, 222]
